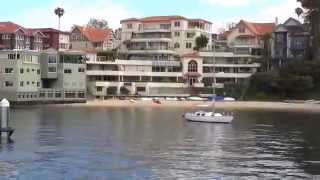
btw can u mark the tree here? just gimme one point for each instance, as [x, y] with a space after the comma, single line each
[266, 60]
[201, 42]
[98, 23]
[59, 12]
[313, 19]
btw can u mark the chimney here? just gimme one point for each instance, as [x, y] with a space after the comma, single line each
[276, 21]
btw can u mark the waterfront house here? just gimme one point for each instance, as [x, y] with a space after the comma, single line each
[246, 37]
[47, 76]
[56, 39]
[14, 36]
[290, 40]
[86, 37]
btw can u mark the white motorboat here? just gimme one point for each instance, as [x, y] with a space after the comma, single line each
[208, 117]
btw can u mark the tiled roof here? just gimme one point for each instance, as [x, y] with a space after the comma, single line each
[94, 34]
[259, 28]
[205, 21]
[10, 27]
[154, 19]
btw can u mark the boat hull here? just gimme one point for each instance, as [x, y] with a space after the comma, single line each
[208, 119]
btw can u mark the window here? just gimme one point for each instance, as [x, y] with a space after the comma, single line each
[28, 82]
[21, 71]
[129, 26]
[176, 34]
[38, 71]
[141, 89]
[33, 70]
[52, 69]
[52, 60]
[242, 30]
[67, 71]
[11, 56]
[50, 95]
[188, 45]
[8, 83]
[58, 94]
[33, 82]
[192, 66]
[177, 24]
[21, 83]
[99, 89]
[81, 70]
[8, 70]
[70, 95]
[81, 95]
[176, 45]
[42, 95]
[5, 36]
[38, 84]
[28, 70]
[190, 34]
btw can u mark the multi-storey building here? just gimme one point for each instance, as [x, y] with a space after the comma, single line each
[55, 39]
[162, 37]
[20, 77]
[246, 37]
[86, 37]
[13, 36]
[47, 76]
[157, 58]
[290, 39]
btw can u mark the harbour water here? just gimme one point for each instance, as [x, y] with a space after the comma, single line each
[157, 143]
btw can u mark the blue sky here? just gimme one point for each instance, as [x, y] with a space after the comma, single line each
[39, 13]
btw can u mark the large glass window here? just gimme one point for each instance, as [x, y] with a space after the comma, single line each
[192, 66]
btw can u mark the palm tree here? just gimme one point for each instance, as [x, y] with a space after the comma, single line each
[59, 12]
[299, 11]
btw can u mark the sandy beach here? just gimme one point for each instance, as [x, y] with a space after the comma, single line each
[237, 105]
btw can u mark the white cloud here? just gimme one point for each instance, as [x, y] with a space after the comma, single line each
[229, 3]
[78, 12]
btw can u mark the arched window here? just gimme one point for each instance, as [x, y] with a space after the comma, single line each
[192, 66]
[176, 45]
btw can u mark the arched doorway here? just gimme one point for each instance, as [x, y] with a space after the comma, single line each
[192, 69]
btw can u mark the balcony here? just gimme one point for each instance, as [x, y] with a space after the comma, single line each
[132, 73]
[151, 50]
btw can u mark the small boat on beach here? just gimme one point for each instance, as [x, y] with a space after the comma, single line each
[156, 101]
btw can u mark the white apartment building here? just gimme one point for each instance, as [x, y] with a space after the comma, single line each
[162, 37]
[158, 59]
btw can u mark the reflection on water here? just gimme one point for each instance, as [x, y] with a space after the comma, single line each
[156, 143]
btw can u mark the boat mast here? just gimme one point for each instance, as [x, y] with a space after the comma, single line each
[214, 76]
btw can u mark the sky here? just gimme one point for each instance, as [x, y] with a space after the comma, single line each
[39, 13]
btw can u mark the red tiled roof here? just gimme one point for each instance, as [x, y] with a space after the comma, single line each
[161, 18]
[154, 19]
[259, 28]
[94, 34]
[191, 55]
[202, 20]
[10, 27]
